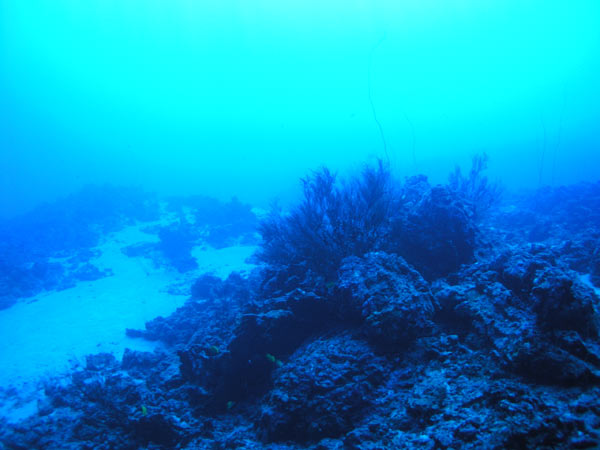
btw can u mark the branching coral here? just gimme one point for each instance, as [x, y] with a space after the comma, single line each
[334, 220]
[476, 187]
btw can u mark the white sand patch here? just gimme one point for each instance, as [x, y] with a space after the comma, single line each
[221, 262]
[44, 336]
[586, 280]
[40, 336]
[15, 409]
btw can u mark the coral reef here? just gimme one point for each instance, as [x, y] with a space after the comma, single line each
[383, 315]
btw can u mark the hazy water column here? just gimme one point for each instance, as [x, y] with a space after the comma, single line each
[242, 97]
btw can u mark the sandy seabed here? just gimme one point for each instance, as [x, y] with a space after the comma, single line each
[46, 335]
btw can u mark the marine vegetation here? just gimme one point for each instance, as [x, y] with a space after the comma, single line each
[334, 220]
[368, 323]
[431, 227]
[476, 186]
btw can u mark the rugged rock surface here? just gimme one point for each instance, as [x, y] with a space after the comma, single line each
[499, 351]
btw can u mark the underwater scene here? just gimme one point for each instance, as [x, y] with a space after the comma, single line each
[250, 224]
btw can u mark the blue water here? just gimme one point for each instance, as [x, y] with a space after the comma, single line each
[300, 224]
[243, 97]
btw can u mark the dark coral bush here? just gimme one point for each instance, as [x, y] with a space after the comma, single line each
[431, 227]
[476, 187]
[333, 221]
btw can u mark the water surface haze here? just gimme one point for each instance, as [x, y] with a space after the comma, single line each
[241, 97]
